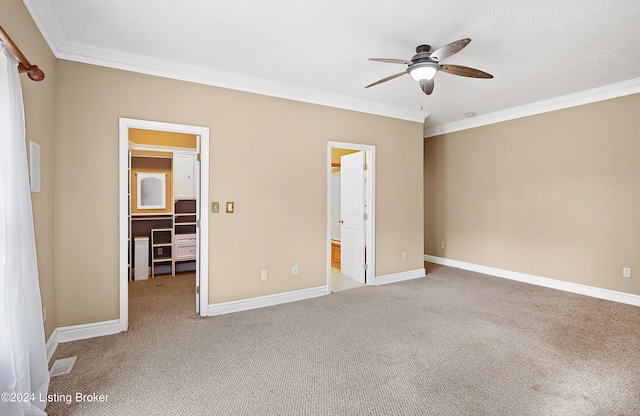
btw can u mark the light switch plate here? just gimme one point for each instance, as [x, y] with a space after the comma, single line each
[215, 207]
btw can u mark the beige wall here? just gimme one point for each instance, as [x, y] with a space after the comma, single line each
[555, 195]
[268, 155]
[39, 120]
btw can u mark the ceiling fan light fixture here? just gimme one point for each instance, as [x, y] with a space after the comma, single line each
[424, 70]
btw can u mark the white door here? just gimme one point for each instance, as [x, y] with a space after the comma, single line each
[352, 250]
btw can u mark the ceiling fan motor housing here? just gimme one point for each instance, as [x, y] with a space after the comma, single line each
[423, 54]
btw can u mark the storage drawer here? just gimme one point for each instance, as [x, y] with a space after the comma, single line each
[185, 252]
[182, 239]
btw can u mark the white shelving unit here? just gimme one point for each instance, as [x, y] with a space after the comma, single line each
[184, 230]
[161, 249]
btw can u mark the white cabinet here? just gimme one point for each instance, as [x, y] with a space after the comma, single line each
[184, 175]
[141, 260]
[185, 247]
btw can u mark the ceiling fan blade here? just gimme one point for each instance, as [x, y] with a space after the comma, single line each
[465, 71]
[427, 86]
[391, 60]
[449, 49]
[389, 78]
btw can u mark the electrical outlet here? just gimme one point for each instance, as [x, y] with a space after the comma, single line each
[443, 244]
[626, 272]
[294, 270]
[404, 255]
[263, 275]
[44, 314]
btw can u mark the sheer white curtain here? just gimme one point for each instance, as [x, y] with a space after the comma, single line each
[24, 378]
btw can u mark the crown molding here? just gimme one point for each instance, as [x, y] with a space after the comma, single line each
[607, 92]
[224, 79]
[46, 21]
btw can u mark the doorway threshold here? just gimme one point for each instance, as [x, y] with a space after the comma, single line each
[341, 282]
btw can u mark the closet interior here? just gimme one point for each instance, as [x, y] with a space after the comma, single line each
[163, 217]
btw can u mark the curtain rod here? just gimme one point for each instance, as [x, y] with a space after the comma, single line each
[33, 72]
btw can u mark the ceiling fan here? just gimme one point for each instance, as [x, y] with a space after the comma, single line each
[424, 65]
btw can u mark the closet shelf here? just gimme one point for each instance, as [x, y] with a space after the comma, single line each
[161, 248]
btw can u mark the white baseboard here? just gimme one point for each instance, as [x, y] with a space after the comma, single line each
[268, 300]
[399, 277]
[77, 332]
[594, 292]
[52, 344]
[296, 295]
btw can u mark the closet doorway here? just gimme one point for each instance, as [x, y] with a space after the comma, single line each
[351, 215]
[163, 177]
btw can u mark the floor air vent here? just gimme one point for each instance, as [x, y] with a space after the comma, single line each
[62, 366]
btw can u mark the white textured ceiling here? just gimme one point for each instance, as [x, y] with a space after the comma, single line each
[317, 50]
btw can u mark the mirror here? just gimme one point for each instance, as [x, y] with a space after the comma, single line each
[152, 190]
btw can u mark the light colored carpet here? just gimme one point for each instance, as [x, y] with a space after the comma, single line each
[453, 343]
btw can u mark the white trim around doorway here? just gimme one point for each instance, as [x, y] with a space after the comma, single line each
[203, 242]
[370, 223]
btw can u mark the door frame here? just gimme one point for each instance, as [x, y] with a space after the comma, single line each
[370, 198]
[202, 243]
